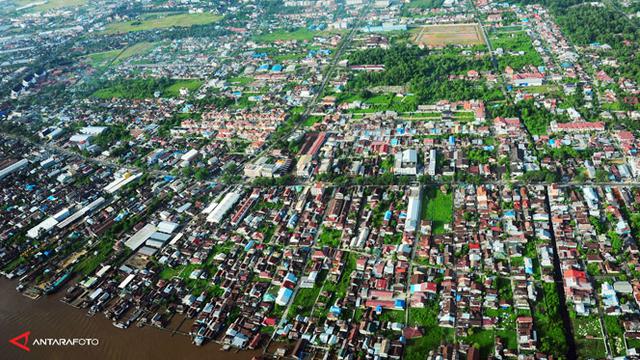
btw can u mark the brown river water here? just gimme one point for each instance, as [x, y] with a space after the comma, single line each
[47, 317]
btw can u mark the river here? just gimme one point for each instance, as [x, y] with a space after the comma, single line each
[47, 317]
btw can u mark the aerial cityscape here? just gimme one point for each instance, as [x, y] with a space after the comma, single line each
[319, 179]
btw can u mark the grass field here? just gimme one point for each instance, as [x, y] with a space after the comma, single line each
[542, 89]
[311, 120]
[330, 237]
[438, 208]
[303, 302]
[424, 4]
[102, 59]
[449, 34]
[145, 88]
[174, 90]
[44, 5]
[514, 43]
[161, 21]
[427, 319]
[483, 340]
[300, 34]
[590, 348]
[383, 102]
[587, 326]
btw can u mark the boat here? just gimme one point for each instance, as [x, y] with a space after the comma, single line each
[56, 284]
[120, 325]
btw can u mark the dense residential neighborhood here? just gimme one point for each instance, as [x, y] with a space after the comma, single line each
[315, 179]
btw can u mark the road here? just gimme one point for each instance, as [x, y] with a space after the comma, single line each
[311, 105]
[557, 275]
[309, 108]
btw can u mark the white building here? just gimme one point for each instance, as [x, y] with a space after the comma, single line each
[413, 210]
[406, 162]
[219, 212]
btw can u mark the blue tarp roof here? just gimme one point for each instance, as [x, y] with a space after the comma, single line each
[249, 245]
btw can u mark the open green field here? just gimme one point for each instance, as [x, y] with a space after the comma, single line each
[174, 90]
[161, 21]
[300, 34]
[145, 88]
[547, 89]
[438, 208]
[426, 319]
[44, 5]
[420, 116]
[311, 120]
[424, 4]
[303, 302]
[482, 340]
[90, 263]
[515, 42]
[105, 58]
[590, 348]
[102, 59]
[586, 326]
[240, 80]
[383, 102]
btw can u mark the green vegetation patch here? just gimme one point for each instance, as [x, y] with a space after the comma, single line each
[330, 237]
[161, 21]
[101, 60]
[551, 333]
[427, 320]
[174, 89]
[590, 348]
[425, 4]
[339, 290]
[303, 302]
[616, 334]
[424, 73]
[437, 207]
[312, 120]
[300, 34]
[38, 5]
[482, 340]
[145, 88]
[518, 50]
[91, 262]
[586, 326]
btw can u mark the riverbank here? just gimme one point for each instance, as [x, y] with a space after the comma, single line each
[47, 317]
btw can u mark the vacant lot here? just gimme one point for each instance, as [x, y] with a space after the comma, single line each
[189, 84]
[437, 207]
[300, 34]
[519, 52]
[161, 21]
[424, 4]
[112, 57]
[44, 5]
[145, 88]
[449, 34]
